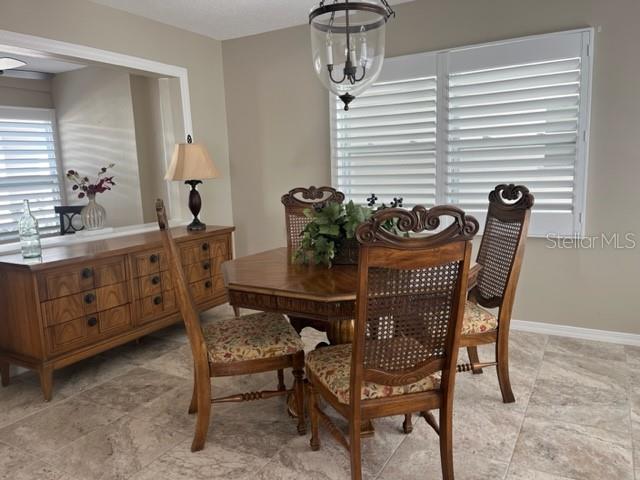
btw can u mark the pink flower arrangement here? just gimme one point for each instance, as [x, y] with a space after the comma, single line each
[85, 187]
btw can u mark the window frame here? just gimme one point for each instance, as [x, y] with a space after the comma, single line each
[48, 114]
[581, 166]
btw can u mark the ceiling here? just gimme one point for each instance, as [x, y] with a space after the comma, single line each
[43, 64]
[222, 19]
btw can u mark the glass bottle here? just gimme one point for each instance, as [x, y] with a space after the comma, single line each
[29, 235]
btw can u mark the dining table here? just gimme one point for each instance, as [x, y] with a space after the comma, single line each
[310, 295]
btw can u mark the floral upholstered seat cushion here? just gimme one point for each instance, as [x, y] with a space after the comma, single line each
[251, 337]
[478, 320]
[332, 366]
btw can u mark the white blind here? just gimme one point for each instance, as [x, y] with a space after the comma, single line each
[507, 112]
[386, 143]
[28, 170]
[517, 124]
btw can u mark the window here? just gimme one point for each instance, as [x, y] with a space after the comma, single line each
[28, 169]
[446, 127]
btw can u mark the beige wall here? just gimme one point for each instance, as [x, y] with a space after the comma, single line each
[94, 114]
[279, 138]
[22, 92]
[149, 131]
[86, 23]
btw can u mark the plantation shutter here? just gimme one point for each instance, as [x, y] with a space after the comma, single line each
[28, 169]
[386, 143]
[517, 114]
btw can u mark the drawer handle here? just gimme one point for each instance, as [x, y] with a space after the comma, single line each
[157, 300]
[89, 298]
[155, 280]
[206, 265]
[92, 322]
[207, 284]
[87, 272]
[205, 247]
[153, 258]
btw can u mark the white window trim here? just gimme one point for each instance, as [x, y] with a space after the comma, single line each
[582, 144]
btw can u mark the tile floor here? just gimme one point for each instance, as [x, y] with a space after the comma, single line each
[123, 415]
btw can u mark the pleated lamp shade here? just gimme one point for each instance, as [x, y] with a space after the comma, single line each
[191, 161]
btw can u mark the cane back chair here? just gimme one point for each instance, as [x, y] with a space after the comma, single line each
[295, 202]
[493, 280]
[254, 343]
[410, 304]
[299, 199]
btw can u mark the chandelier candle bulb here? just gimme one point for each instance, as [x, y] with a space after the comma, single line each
[329, 50]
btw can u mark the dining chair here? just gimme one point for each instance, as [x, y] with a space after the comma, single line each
[254, 343]
[492, 283]
[494, 278]
[299, 199]
[295, 202]
[409, 311]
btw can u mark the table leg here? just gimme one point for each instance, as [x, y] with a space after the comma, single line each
[341, 331]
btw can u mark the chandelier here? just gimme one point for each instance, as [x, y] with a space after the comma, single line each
[347, 43]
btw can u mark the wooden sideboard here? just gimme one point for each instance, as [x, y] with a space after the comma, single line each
[85, 298]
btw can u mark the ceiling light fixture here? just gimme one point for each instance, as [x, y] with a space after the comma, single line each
[347, 43]
[7, 63]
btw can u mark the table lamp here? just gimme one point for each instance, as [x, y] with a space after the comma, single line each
[191, 162]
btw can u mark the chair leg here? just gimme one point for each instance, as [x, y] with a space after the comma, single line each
[298, 386]
[236, 310]
[354, 449]
[281, 386]
[193, 406]
[473, 358]
[203, 393]
[5, 373]
[407, 425]
[313, 416]
[502, 357]
[446, 439]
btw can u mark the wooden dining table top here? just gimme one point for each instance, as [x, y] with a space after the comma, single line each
[274, 272]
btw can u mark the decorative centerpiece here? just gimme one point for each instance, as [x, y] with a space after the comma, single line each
[329, 237]
[93, 214]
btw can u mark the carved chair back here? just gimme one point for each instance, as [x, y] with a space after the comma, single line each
[502, 247]
[296, 201]
[184, 299]
[411, 296]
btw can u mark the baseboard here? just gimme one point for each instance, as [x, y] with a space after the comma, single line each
[576, 332]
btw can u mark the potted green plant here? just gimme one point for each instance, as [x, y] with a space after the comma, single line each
[329, 237]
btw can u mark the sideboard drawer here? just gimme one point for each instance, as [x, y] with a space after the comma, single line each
[149, 262]
[68, 308]
[151, 307]
[109, 273]
[115, 320]
[153, 284]
[194, 252]
[85, 330]
[220, 248]
[68, 335]
[78, 278]
[201, 290]
[112, 296]
[198, 271]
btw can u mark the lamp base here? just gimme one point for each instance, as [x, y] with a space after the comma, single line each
[195, 204]
[196, 226]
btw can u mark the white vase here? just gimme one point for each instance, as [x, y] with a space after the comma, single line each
[93, 215]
